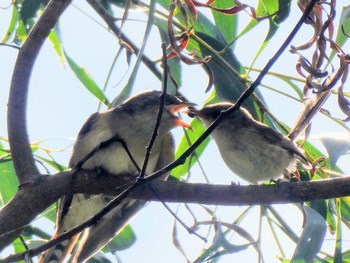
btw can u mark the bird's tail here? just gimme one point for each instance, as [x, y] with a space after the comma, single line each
[108, 227]
[60, 251]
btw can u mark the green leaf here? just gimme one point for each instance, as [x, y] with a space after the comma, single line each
[312, 150]
[320, 206]
[268, 8]
[21, 32]
[185, 143]
[57, 166]
[278, 10]
[227, 24]
[344, 23]
[50, 212]
[54, 39]
[18, 246]
[29, 9]
[282, 12]
[124, 240]
[345, 208]
[126, 91]
[12, 26]
[83, 75]
[338, 242]
[229, 85]
[293, 86]
[30, 231]
[204, 27]
[9, 182]
[203, 24]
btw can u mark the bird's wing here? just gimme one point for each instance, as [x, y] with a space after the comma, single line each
[275, 137]
[109, 226]
[68, 218]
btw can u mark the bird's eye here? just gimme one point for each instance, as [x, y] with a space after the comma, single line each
[191, 114]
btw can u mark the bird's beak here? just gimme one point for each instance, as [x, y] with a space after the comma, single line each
[176, 108]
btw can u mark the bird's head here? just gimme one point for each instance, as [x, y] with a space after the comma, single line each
[144, 108]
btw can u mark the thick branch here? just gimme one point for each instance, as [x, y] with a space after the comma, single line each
[34, 197]
[17, 122]
[238, 195]
[31, 199]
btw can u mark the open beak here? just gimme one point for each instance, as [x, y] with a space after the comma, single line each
[176, 108]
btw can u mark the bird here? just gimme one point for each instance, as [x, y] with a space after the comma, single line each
[252, 150]
[124, 131]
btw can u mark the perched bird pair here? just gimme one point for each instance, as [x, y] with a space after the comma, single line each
[252, 150]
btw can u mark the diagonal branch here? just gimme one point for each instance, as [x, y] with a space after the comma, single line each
[160, 113]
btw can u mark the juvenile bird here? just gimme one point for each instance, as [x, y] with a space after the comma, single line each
[252, 150]
[125, 128]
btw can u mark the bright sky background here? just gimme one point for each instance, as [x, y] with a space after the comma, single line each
[58, 106]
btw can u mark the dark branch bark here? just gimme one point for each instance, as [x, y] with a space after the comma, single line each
[31, 199]
[17, 106]
[35, 196]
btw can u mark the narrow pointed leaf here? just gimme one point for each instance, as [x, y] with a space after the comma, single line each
[85, 78]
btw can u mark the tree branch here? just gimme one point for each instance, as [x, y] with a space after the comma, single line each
[21, 151]
[34, 197]
[31, 199]
[17, 106]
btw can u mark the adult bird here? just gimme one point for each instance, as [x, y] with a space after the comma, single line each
[114, 141]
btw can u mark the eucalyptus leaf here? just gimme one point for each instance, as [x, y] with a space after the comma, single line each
[86, 79]
[344, 25]
[311, 239]
[226, 69]
[124, 240]
[9, 182]
[12, 26]
[227, 24]
[126, 91]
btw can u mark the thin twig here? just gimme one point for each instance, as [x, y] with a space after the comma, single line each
[10, 45]
[106, 144]
[160, 113]
[189, 230]
[110, 21]
[154, 136]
